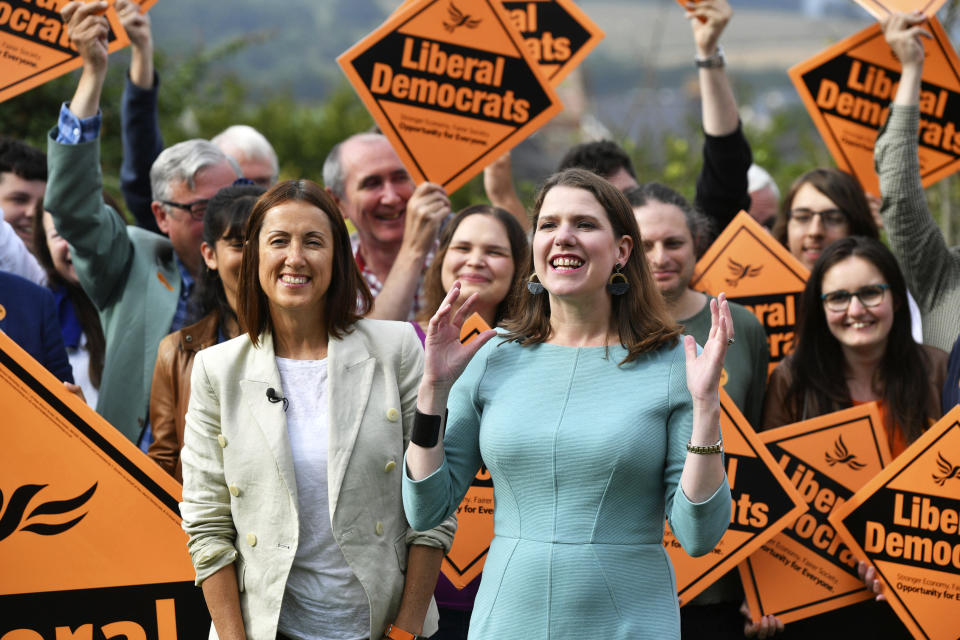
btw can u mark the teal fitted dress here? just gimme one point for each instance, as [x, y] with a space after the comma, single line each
[585, 457]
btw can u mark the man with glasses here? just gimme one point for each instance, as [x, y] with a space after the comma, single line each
[139, 280]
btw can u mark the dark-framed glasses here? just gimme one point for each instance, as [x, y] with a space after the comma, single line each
[196, 209]
[869, 296]
[832, 218]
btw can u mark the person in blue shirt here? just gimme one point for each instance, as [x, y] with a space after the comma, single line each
[28, 315]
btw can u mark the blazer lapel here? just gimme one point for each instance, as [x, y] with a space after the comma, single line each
[261, 374]
[350, 377]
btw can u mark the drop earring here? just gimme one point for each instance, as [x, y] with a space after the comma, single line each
[618, 284]
[533, 285]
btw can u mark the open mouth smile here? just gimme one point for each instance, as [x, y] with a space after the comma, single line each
[565, 263]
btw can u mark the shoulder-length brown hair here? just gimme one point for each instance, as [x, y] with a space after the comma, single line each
[347, 299]
[845, 192]
[433, 291]
[640, 315]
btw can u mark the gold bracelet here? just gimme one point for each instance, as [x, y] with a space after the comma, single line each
[713, 448]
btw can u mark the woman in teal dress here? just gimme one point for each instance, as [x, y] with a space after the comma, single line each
[596, 421]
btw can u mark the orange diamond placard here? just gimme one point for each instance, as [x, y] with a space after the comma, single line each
[764, 502]
[451, 85]
[905, 520]
[89, 526]
[753, 269]
[807, 569]
[848, 87]
[34, 47]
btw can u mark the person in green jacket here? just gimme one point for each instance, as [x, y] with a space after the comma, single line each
[139, 281]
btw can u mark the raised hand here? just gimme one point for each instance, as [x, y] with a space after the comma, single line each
[88, 29]
[426, 210]
[903, 32]
[704, 370]
[445, 357]
[136, 23]
[708, 18]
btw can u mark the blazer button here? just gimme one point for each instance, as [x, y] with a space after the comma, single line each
[188, 338]
[222, 439]
[379, 528]
[252, 539]
[234, 490]
[393, 415]
[390, 466]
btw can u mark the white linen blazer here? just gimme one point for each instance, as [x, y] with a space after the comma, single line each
[239, 486]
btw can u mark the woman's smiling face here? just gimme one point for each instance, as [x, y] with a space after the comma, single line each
[858, 326]
[296, 257]
[574, 247]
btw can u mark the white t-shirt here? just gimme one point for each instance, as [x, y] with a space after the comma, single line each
[80, 363]
[323, 599]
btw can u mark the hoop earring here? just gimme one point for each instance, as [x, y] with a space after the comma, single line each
[533, 285]
[618, 284]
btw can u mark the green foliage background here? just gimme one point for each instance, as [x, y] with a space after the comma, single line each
[198, 98]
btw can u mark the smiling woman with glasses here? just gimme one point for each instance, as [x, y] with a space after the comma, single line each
[854, 345]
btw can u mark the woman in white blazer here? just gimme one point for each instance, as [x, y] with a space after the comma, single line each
[294, 443]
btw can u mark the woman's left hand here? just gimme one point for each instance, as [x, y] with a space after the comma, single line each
[704, 370]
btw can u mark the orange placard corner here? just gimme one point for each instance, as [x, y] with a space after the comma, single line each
[847, 89]
[31, 56]
[806, 569]
[79, 505]
[451, 85]
[748, 264]
[472, 327]
[763, 503]
[880, 9]
[557, 33]
[904, 521]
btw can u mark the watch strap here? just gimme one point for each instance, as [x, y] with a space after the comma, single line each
[426, 429]
[396, 633]
[715, 60]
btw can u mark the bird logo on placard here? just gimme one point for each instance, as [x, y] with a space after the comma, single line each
[842, 456]
[948, 469]
[459, 19]
[741, 271]
[11, 513]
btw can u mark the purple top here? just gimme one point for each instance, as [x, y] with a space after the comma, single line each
[446, 594]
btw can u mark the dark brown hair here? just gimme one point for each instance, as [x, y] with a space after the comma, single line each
[347, 299]
[817, 367]
[845, 192]
[83, 307]
[519, 250]
[640, 315]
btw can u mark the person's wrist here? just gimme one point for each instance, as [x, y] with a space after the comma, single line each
[710, 58]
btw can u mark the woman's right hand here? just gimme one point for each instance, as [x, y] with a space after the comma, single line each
[445, 356]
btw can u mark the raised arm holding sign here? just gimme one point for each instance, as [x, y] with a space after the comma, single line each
[931, 268]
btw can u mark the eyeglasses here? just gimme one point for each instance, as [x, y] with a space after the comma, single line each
[196, 209]
[832, 218]
[869, 296]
